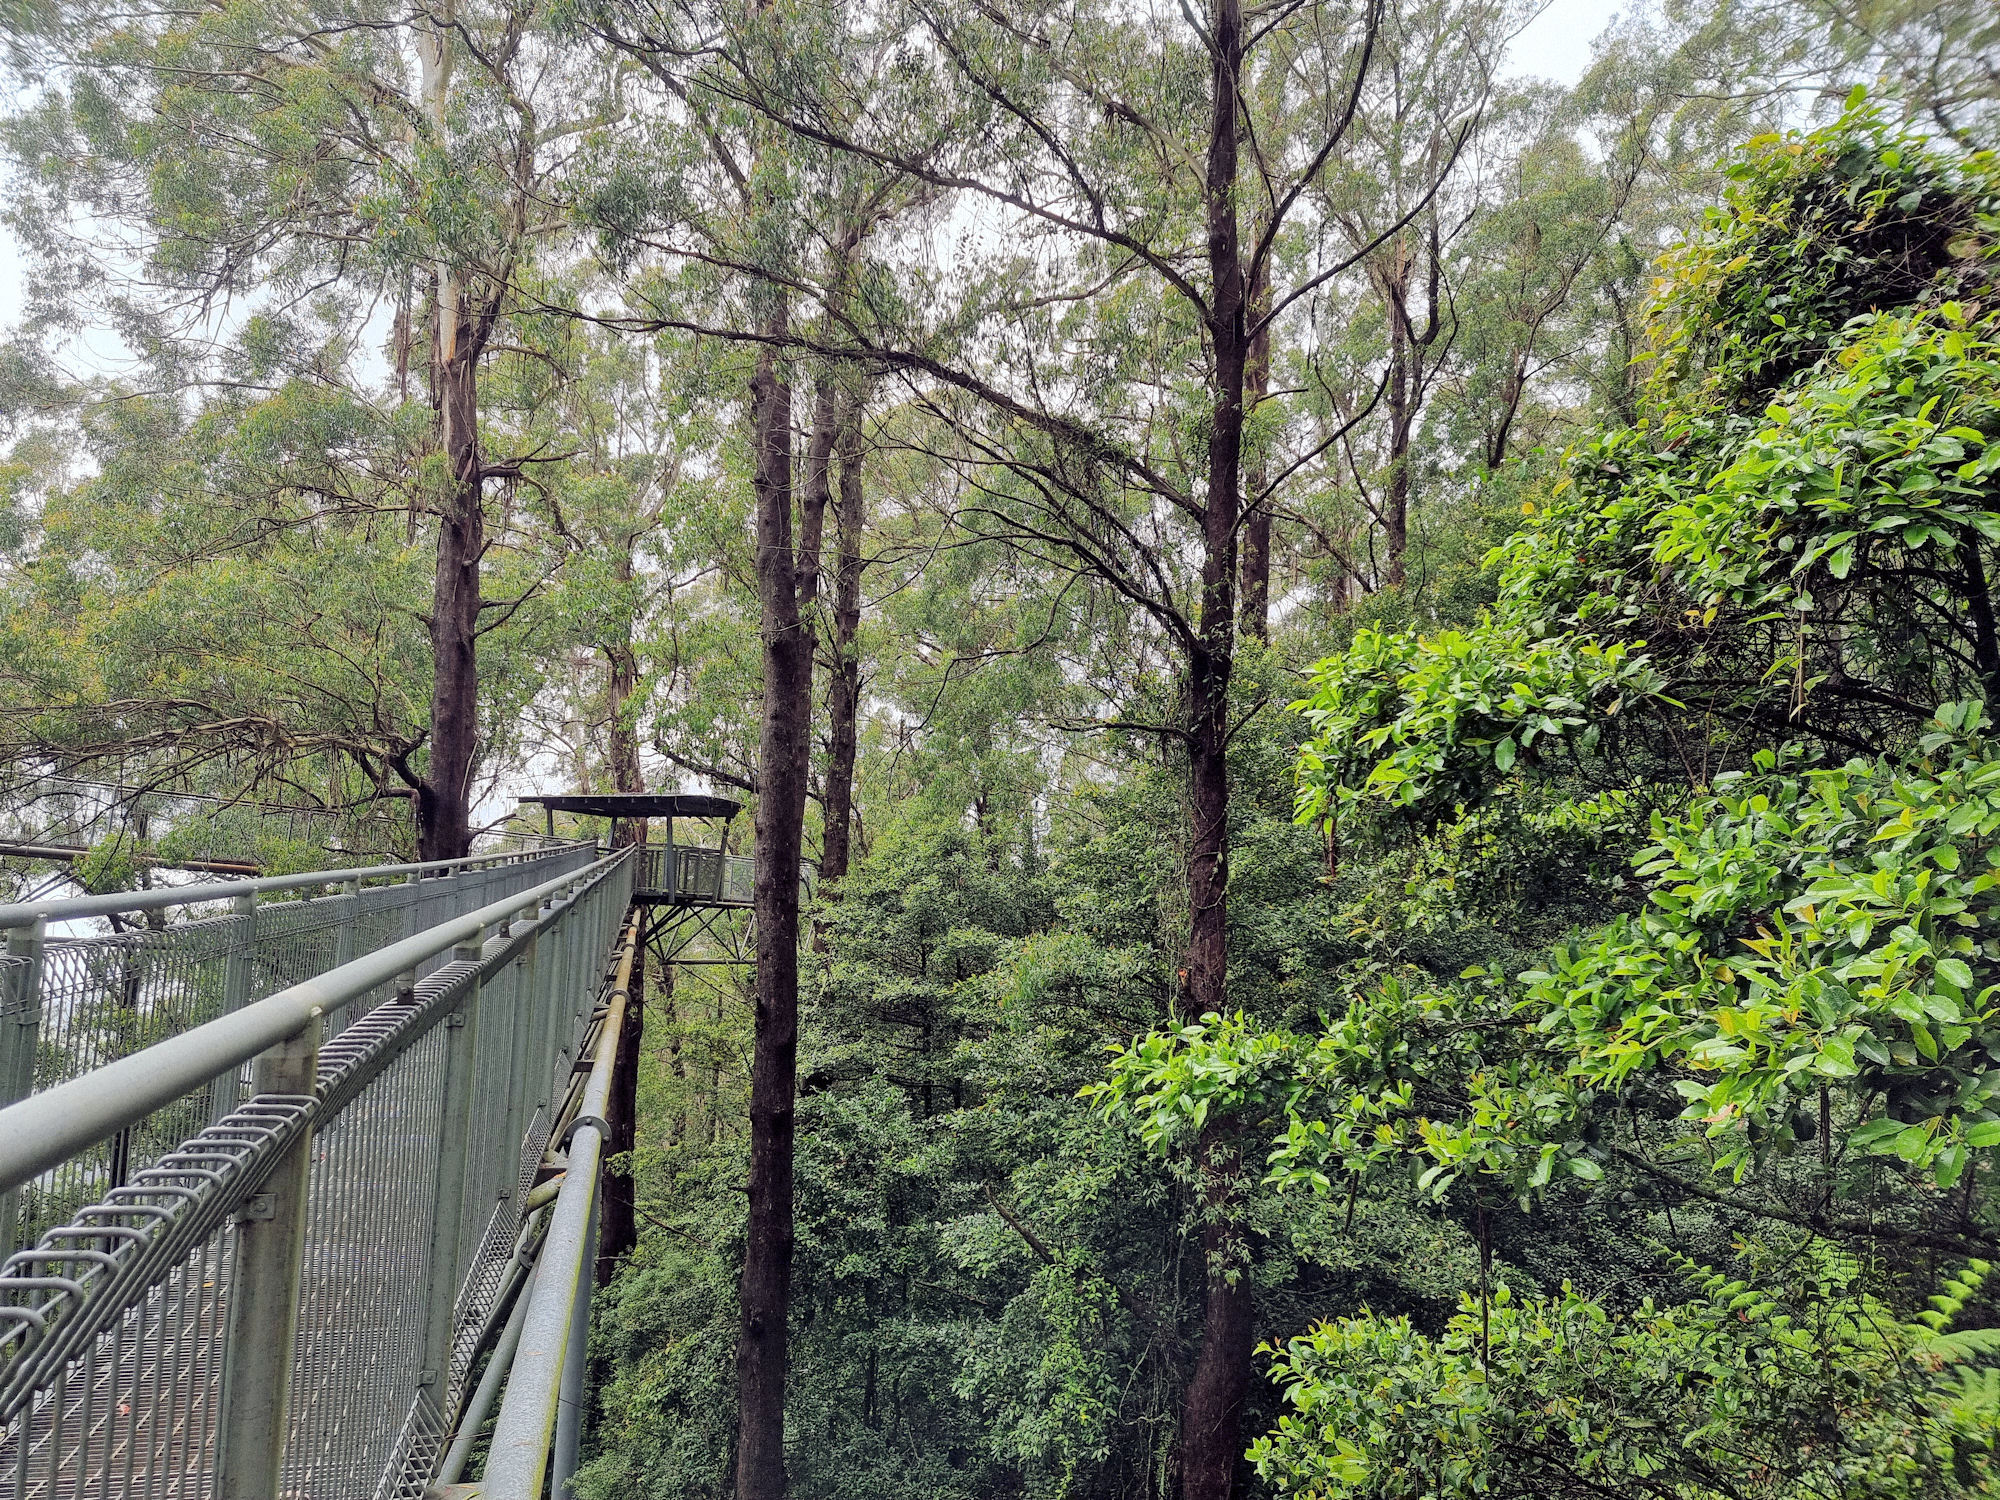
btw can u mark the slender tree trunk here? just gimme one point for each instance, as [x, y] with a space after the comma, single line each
[1257, 524]
[844, 684]
[1396, 503]
[618, 1229]
[1211, 1415]
[782, 763]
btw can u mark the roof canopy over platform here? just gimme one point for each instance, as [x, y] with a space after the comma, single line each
[641, 804]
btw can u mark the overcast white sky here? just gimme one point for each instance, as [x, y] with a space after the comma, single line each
[1555, 46]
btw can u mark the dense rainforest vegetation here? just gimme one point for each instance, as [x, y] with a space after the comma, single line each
[1387, 672]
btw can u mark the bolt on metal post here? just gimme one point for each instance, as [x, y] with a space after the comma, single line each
[264, 1295]
[20, 1038]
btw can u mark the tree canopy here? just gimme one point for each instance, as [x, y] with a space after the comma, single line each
[1386, 670]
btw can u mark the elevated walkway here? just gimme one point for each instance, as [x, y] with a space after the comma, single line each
[299, 1177]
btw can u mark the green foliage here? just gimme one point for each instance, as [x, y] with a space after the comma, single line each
[1791, 1381]
[1425, 724]
[1747, 641]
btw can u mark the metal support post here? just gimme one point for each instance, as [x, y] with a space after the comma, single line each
[238, 975]
[264, 1296]
[344, 949]
[20, 1039]
[455, 1126]
[517, 1023]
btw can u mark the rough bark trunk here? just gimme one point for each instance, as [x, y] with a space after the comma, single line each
[1212, 1412]
[1396, 505]
[618, 1229]
[782, 762]
[844, 682]
[1257, 525]
[1210, 1442]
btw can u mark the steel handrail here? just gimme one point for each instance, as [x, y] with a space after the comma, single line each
[71, 908]
[529, 1434]
[48, 1128]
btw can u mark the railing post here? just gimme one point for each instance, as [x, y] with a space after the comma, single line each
[454, 1154]
[344, 935]
[238, 971]
[520, 1033]
[346, 946]
[264, 1296]
[20, 1038]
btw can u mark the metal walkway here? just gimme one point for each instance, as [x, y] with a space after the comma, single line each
[298, 1174]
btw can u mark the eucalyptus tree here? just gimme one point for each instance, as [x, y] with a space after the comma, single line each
[1935, 62]
[225, 184]
[1094, 393]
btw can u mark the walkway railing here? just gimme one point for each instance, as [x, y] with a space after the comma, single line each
[294, 1299]
[179, 956]
[687, 873]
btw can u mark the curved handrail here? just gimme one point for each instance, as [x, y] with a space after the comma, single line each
[47, 1128]
[70, 908]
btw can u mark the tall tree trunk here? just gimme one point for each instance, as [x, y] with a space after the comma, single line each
[1396, 503]
[1210, 1417]
[844, 682]
[618, 1229]
[1257, 524]
[444, 801]
[782, 763]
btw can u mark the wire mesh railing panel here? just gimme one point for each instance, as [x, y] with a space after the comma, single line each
[689, 873]
[739, 878]
[134, 1415]
[296, 940]
[106, 997]
[359, 1349]
[100, 998]
[115, 1329]
[103, 999]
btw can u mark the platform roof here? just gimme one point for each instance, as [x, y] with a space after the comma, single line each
[641, 804]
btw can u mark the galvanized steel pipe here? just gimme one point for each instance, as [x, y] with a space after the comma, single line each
[21, 913]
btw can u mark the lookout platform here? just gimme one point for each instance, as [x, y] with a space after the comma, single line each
[670, 872]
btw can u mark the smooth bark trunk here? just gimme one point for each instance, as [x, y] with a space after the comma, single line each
[444, 800]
